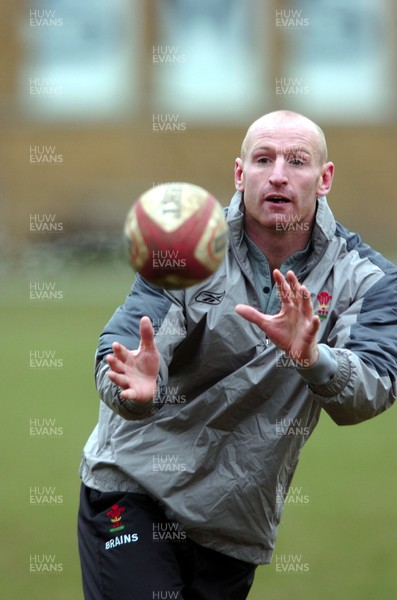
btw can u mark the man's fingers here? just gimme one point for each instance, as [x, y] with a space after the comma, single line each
[115, 364]
[119, 379]
[315, 325]
[283, 287]
[290, 290]
[119, 351]
[293, 281]
[147, 333]
[128, 394]
[307, 305]
[251, 314]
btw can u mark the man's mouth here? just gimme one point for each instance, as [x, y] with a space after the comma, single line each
[277, 199]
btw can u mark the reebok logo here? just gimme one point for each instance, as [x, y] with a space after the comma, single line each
[207, 297]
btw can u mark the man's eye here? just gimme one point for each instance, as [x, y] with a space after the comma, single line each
[296, 161]
[263, 160]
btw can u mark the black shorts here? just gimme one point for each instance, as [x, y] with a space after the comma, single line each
[129, 550]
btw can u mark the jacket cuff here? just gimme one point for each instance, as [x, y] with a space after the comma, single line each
[329, 374]
[323, 370]
[137, 410]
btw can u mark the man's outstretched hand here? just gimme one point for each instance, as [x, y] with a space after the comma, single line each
[135, 371]
[294, 329]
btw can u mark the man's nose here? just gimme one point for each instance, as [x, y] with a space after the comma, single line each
[278, 174]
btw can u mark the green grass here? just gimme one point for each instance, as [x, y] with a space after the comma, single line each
[345, 533]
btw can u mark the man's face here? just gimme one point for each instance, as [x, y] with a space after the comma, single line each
[281, 173]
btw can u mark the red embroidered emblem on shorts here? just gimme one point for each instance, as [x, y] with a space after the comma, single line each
[115, 517]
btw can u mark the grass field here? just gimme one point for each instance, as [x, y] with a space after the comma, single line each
[339, 529]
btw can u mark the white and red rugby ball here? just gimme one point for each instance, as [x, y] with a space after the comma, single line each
[176, 235]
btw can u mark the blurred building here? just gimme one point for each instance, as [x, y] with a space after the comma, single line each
[102, 99]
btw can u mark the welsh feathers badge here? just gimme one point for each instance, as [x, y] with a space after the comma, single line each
[324, 300]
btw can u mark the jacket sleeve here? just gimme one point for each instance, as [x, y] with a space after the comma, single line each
[361, 357]
[166, 314]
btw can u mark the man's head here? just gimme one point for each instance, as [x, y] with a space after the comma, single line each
[284, 118]
[282, 169]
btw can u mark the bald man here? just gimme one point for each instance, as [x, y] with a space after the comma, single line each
[185, 476]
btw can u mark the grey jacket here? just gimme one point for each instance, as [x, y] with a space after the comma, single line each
[220, 442]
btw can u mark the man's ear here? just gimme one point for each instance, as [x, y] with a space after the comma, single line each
[239, 175]
[327, 175]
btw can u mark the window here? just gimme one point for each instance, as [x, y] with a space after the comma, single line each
[81, 59]
[211, 58]
[338, 62]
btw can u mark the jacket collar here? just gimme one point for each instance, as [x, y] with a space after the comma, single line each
[323, 230]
